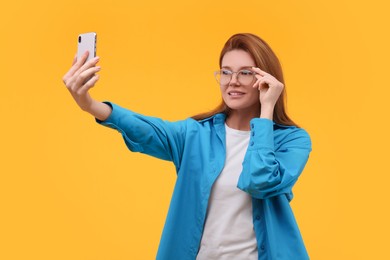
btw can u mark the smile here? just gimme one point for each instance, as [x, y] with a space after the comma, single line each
[235, 93]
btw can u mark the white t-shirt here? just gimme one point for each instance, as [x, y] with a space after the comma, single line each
[228, 231]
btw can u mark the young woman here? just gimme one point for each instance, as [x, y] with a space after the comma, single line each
[236, 165]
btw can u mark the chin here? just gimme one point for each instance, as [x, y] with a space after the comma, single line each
[233, 106]
[242, 105]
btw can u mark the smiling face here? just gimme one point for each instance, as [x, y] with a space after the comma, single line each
[239, 97]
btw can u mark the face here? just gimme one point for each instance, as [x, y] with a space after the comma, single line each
[239, 95]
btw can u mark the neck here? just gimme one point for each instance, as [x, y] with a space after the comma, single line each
[240, 119]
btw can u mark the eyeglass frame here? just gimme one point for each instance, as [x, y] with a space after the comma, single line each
[231, 75]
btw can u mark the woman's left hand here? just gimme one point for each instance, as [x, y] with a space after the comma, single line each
[269, 87]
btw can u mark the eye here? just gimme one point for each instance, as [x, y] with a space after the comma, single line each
[226, 72]
[246, 72]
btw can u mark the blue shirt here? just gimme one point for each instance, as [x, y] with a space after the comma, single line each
[274, 160]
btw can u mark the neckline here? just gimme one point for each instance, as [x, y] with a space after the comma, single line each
[235, 131]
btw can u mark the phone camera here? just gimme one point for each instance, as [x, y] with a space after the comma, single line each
[79, 38]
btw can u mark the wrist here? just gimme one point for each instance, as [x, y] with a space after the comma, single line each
[100, 110]
[89, 106]
[267, 112]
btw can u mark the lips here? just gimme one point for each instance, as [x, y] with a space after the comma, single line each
[235, 93]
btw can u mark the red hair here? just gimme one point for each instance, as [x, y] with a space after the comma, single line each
[266, 60]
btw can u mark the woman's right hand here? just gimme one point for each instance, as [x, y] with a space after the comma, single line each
[80, 78]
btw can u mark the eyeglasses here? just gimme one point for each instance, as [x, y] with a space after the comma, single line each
[245, 77]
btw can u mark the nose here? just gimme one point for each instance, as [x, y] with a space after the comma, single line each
[234, 79]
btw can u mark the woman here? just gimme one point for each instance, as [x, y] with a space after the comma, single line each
[236, 165]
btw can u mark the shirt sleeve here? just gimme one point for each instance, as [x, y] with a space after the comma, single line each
[149, 135]
[269, 168]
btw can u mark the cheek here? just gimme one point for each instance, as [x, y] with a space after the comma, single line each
[223, 91]
[254, 93]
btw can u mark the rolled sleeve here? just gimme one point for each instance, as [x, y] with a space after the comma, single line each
[261, 134]
[274, 159]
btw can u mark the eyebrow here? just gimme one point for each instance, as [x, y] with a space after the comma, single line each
[244, 67]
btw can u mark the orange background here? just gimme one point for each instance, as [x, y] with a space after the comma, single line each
[70, 189]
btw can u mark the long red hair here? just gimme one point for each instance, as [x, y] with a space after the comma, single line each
[266, 60]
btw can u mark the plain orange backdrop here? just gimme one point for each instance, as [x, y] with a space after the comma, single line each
[70, 189]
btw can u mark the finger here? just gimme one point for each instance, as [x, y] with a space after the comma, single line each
[259, 71]
[75, 81]
[83, 77]
[88, 85]
[74, 59]
[75, 66]
[89, 64]
[263, 84]
[82, 60]
[258, 77]
[272, 82]
[69, 83]
[256, 83]
[67, 75]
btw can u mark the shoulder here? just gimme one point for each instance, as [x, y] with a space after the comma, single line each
[209, 121]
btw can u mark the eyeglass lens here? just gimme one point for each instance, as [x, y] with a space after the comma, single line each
[245, 77]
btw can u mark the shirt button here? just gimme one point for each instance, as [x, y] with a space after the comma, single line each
[258, 217]
[252, 143]
[252, 125]
[253, 133]
[262, 247]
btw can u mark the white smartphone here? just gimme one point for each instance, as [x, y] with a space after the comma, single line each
[87, 42]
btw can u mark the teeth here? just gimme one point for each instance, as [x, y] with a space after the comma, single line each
[235, 93]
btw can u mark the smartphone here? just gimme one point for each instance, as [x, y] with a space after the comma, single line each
[87, 42]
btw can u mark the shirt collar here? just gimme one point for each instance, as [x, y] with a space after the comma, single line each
[219, 118]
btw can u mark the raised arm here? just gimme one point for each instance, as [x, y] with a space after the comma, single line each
[149, 135]
[79, 80]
